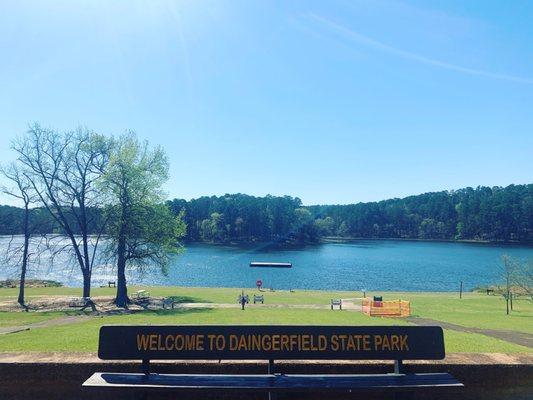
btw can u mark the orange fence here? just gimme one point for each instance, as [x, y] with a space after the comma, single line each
[391, 308]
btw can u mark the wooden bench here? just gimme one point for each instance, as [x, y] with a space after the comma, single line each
[111, 284]
[259, 299]
[336, 303]
[270, 342]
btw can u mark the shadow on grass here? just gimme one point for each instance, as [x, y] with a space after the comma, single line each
[186, 299]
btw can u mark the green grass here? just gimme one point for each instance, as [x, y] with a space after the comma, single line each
[8, 319]
[83, 336]
[473, 310]
[461, 342]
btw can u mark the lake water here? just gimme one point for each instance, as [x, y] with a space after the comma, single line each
[364, 264]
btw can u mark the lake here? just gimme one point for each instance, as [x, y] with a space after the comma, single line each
[363, 264]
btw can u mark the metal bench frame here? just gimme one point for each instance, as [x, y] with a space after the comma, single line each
[123, 346]
[336, 302]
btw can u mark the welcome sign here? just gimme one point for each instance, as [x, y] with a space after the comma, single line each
[257, 342]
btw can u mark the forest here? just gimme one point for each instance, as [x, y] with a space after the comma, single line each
[480, 214]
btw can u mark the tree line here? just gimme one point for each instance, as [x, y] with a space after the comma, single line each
[483, 213]
[87, 187]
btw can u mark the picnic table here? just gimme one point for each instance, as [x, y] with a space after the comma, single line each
[141, 295]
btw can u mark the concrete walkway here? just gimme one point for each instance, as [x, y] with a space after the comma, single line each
[347, 304]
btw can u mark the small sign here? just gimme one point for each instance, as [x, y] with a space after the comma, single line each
[260, 342]
[259, 283]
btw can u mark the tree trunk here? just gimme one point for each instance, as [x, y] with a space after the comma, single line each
[86, 283]
[122, 290]
[24, 256]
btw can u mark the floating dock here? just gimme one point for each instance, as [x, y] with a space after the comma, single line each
[271, 264]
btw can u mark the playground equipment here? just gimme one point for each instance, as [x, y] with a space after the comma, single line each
[390, 308]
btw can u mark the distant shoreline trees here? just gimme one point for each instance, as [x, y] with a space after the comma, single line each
[498, 214]
[483, 214]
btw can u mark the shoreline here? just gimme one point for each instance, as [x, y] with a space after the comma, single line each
[337, 239]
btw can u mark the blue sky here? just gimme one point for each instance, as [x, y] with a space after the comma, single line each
[330, 101]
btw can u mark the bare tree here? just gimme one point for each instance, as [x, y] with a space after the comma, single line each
[508, 275]
[523, 277]
[22, 191]
[63, 170]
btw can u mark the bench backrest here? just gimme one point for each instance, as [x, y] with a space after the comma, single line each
[269, 342]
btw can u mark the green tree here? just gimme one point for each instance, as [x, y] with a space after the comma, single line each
[325, 226]
[142, 230]
[304, 228]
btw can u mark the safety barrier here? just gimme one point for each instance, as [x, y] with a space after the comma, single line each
[390, 308]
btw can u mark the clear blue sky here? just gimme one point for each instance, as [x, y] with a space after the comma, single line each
[331, 101]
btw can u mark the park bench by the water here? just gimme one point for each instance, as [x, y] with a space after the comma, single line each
[336, 303]
[259, 299]
[248, 342]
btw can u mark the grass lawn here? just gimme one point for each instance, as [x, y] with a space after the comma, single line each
[199, 295]
[461, 342]
[474, 310]
[83, 336]
[23, 318]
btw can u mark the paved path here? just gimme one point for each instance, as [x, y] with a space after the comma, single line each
[347, 304]
[521, 338]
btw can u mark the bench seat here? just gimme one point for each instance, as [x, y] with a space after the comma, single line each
[270, 382]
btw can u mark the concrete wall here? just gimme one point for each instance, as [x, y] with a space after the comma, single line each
[62, 380]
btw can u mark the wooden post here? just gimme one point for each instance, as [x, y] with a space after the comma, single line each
[461, 290]
[511, 299]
